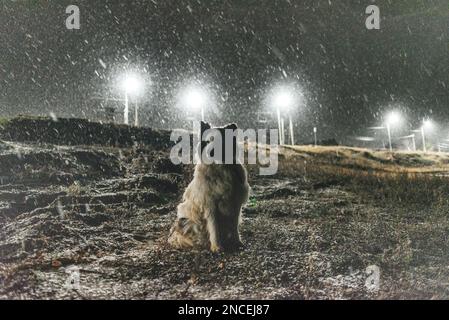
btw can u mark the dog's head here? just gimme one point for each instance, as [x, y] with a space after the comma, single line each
[222, 130]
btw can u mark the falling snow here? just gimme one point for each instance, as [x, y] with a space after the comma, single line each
[350, 76]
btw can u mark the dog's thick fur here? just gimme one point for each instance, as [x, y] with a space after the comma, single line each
[209, 215]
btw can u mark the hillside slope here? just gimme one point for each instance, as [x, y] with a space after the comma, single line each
[310, 231]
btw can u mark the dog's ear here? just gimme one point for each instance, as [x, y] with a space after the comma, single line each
[232, 126]
[204, 126]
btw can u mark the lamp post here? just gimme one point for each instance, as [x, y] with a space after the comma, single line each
[392, 119]
[423, 135]
[136, 115]
[427, 124]
[126, 110]
[389, 137]
[292, 134]
[314, 136]
[283, 100]
[195, 98]
[132, 85]
[279, 126]
[282, 131]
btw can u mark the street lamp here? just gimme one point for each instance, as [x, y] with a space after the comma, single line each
[284, 100]
[195, 98]
[132, 85]
[392, 119]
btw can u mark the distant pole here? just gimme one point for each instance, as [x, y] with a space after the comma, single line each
[126, 112]
[202, 113]
[314, 135]
[292, 137]
[136, 115]
[423, 139]
[414, 142]
[282, 130]
[194, 127]
[389, 137]
[279, 125]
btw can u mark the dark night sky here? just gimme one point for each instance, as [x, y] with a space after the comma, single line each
[349, 74]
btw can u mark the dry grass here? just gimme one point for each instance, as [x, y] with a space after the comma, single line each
[382, 176]
[358, 158]
[310, 232]
[397, 216]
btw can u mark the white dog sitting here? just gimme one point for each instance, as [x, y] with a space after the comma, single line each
[210, 212]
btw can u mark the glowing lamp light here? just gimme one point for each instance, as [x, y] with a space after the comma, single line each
[284, 99]
[428, 124]
[194, 98]
[393, 118]
[132, 84]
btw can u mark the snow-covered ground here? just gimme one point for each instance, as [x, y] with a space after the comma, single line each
[85, 221]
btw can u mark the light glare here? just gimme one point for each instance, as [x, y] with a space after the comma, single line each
[284, 97]
[428, 124]
[132, 84]
[393, 118]
[194, 98]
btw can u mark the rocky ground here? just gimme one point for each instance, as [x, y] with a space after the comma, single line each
[80, 221]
